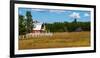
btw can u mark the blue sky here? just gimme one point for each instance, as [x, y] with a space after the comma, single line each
[56, 15]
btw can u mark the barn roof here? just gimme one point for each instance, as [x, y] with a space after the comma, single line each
[37, 26]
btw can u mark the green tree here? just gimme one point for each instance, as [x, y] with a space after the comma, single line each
[29, 22]
[22, 25]
[75, 20]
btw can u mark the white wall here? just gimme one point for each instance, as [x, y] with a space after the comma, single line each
[4, 29]
[67, 1]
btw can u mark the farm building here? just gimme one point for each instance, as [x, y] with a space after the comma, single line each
[39, 28]
[79, 29]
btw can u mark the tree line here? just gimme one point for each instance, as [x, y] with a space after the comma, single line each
[67, 26]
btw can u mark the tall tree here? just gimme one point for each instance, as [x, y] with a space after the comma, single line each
[22, 29]
[29, 22]
[75, 20]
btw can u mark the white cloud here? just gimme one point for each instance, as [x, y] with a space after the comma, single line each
[57, 11]
[75, 15]
[86, 14]
[50, 10]
[37, 9]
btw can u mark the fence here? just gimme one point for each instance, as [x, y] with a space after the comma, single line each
[32, 35]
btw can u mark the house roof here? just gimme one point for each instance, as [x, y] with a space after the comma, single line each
[37, 26]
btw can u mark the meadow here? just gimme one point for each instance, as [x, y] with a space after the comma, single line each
[58, 40]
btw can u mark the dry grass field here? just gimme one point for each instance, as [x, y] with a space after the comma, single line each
[58, 40]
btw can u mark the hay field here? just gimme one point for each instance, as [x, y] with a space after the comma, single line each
[58, 40]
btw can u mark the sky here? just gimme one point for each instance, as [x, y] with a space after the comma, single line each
[56, 15]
